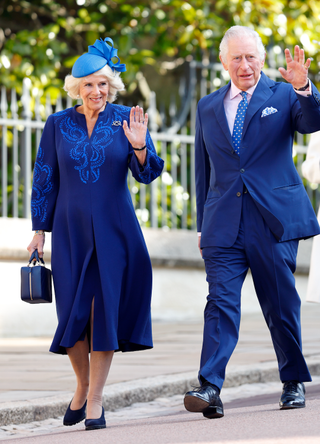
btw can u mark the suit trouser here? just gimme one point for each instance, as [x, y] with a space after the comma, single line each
[272, 265]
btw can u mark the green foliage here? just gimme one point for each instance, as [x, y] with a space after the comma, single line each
[41, 39]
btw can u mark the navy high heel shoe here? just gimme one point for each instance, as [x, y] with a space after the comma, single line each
[72, 417]
[99, 423]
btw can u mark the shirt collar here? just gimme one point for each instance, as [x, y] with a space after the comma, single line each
[234, 90]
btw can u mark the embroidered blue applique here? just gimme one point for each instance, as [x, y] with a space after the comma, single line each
[90, 155]
[42, 186]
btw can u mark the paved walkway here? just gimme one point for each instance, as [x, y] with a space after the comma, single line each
[33, 380]
[247, 420]
[29, 370]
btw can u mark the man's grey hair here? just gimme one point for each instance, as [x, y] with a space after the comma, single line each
[238, 32]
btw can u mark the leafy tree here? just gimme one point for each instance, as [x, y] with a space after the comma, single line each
[41, 39]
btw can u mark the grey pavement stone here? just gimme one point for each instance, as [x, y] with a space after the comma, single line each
[26, 395]
[146, 390]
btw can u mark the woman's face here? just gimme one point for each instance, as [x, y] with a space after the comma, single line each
[94, 92]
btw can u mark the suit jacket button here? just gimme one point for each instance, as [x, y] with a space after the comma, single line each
[238, 194]
[242, 170]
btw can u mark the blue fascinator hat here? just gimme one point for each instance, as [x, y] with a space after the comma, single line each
[99, 55]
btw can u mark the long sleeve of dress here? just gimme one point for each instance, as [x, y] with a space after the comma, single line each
[45, 180]
[152, 167]
[311, 166]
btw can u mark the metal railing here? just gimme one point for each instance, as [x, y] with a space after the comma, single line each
[169, 202]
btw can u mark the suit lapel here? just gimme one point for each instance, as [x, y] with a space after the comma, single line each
[218, 109]
[261, 94]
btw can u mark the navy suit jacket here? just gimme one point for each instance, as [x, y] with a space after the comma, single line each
[265, 165]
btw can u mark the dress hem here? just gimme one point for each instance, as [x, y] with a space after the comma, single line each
[123, 346]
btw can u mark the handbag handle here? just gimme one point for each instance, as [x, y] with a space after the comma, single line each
[35, 258]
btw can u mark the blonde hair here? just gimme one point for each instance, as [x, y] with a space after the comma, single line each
[72, 84]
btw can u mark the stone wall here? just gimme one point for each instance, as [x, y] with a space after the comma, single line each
[179, 281]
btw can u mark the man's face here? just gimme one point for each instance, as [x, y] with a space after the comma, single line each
[243, 62]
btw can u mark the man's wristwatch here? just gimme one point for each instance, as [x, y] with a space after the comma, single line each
[304, 88]
[41, 232]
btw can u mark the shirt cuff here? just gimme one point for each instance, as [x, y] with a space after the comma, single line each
[305, 93]
[199, 234]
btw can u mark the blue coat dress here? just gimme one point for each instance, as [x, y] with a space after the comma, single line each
[80, 193]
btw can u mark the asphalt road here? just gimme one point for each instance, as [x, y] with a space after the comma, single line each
[252, 420]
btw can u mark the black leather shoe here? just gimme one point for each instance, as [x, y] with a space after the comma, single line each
[93, 424]
[293, 395]
[204, 399]
[72, 417]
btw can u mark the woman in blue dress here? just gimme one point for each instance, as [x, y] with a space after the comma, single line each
[100, 264]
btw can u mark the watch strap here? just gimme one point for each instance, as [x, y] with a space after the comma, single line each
[303, 88]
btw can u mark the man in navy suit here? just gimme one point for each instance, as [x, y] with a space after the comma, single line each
[252, 210]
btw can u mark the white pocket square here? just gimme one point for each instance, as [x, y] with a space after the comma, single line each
[268, 111]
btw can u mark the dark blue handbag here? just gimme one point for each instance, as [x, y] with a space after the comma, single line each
[36, 281]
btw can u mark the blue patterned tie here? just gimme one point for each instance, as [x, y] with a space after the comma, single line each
[239, 121]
